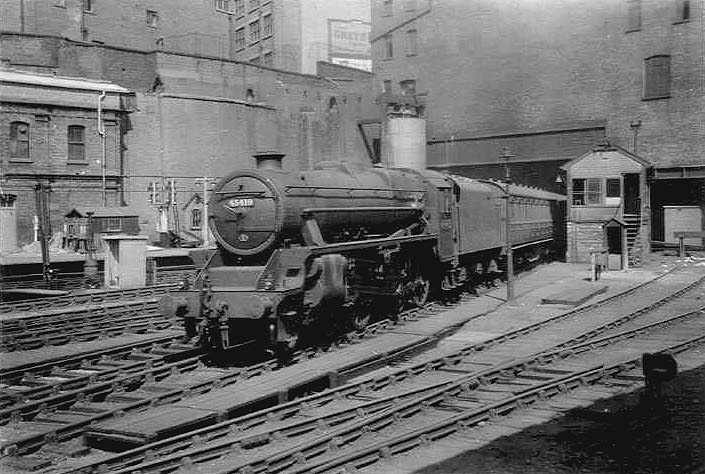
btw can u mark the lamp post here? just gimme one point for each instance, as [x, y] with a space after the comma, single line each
[507, 226]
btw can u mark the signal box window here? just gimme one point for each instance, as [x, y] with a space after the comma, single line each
[587, 192]
[19, 141]
[613, 191]
[657, 77]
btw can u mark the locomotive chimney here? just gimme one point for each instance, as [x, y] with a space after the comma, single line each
[269, 160]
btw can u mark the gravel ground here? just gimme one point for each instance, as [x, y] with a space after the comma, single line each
[617, 435]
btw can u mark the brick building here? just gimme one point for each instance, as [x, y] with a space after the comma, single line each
[551, 80]
[67, 132]
[287, 34]
[201, 116]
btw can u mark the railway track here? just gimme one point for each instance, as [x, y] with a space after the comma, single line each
[476, 357]
[83, 299]
[54, 402]
[82, 325]
[357, 426]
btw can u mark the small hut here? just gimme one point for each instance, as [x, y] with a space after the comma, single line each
[82, 223]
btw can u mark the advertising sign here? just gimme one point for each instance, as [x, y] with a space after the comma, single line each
[349, 39]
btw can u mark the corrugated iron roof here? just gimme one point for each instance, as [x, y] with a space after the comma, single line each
[63, 82]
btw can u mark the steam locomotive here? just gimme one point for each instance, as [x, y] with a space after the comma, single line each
[302, 250]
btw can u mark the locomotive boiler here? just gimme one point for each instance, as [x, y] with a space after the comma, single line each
[302, 251]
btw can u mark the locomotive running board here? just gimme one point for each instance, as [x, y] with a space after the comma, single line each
[362, 244]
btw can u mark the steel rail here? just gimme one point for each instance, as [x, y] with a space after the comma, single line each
[290, 408]
[98, 297]
[360, 414]
[463, 421]
[234, 375]
[15, 373]
[380, 410]
[92, 330]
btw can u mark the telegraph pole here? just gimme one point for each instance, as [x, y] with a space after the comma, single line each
[41, 194]
[507, 222]
[206, 182]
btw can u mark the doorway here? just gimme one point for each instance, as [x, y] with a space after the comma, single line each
[632, 197]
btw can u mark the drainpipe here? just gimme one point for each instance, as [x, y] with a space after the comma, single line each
[101, 132]
[22, 27]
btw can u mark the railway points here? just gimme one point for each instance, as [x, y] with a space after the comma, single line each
[229, 444]
[529, 289]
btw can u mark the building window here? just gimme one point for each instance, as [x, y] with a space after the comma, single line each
[613, 188]
[410, 5]
[267, 28]
[387, 87]
[19, 141]
[657, 77]
[587, 192]
[87, 5]
[254, 32]
[411, 43]
[633, 15]
[682, 11]
[114, 224]
[388, 8]
[254, 60]
[196, 218]
[152, 19]
[240, 38]
[239, 8]
[408, 87]
[388, 47]
[223, 6]
[269, 59]
[77, 143]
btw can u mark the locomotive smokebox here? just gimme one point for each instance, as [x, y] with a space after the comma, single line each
[269, 160]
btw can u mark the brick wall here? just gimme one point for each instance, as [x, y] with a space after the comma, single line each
[504, 66]
[582, 238]
[79, 183]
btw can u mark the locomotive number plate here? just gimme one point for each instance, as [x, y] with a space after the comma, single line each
[241, 202]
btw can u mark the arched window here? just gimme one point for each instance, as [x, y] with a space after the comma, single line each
[77, 142]
[19, 140]
[332, 104]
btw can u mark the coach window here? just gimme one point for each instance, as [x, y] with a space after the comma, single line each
[19, 141]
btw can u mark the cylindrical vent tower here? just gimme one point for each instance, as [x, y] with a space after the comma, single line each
[406, 142]
[8, 222]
